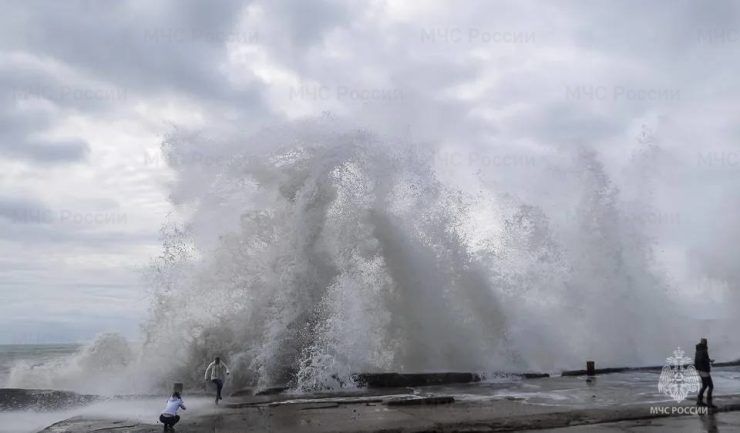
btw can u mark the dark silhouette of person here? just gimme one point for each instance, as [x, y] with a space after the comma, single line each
[216, 373]
[703, 365]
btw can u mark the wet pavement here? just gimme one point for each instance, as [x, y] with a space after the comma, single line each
[717, 423]
[614, 402]
[580, 392]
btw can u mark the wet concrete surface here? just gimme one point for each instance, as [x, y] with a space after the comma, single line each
[615, 402]
[500, 416]
[722, 422]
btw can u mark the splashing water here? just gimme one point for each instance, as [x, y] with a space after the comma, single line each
[101, 367]
[318, 253]
[312, 252]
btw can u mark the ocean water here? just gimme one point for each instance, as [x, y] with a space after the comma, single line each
[31, 356]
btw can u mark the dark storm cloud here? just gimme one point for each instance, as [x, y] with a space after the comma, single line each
[95, 59]
[306, 22]
[19, 210]
[19, 139]
[73, 235]
[44, 151]
[101, 223]
[25, 81]
[165, 47]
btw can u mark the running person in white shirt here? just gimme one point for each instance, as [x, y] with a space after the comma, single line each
[169, 416]
[216, 373]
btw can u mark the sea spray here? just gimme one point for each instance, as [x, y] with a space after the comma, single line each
[104, 367]
[323, 252]
[310, 252]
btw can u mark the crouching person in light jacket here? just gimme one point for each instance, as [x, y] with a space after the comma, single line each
[169, 416]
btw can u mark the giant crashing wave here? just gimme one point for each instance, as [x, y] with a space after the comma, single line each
[310, 252]
[313, 253]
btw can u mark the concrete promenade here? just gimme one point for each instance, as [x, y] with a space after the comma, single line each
[379, 414]
[627, 401]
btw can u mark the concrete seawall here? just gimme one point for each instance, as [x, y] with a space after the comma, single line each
[629, 369]
[41, 399]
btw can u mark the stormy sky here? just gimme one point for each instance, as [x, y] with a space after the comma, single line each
[90, 88]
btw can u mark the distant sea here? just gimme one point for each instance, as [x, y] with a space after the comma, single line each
[33, 354]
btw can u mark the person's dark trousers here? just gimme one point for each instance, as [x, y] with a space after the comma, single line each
[219, 386]
[708, 385]
[169, 421]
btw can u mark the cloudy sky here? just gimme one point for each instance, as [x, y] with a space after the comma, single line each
[90, 88]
